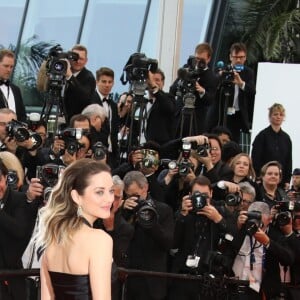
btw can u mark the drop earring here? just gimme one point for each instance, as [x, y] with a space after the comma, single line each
[79, 211]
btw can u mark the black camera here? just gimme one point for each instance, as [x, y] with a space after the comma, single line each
[136, 72]
[188, 76]
[71, 136]
[21, 133]
[199, 201]
[12, 179]
[99, 151]
[227, 76]
[284, 215]
[57, 66]
[233, 199]
[145, 213]
[254, 221]
[184, 165]
[203, 150]
[49, 174]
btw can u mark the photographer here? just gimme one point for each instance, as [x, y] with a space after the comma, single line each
[176, 178]
[160, 115]
[17, 218]
[257, 250]
[146, 159]
[211, 165]
[80, 84]
[238, 114]
[15, 136]
[153, 235]
[198, 230]
[195, 77]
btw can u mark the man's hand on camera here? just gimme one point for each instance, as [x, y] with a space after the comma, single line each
[231, 187]
[170, 175]
[262, 237]
[68, 158]
[69, 72]
[238, 80]
[242, 218]
[186, 205]
[200, 89]
[206, 160]
[199, 139]
[130, 203]
[211, 213]
[35, 189]
[58, 145]
[11, 144]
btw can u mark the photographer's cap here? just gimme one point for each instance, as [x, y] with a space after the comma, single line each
[296, 171]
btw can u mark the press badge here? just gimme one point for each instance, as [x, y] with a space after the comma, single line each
[192, 261]
[230, 111]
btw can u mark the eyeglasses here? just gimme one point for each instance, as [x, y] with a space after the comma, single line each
[239, 57]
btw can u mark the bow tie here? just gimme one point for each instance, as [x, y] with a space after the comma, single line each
[6, 82]
[150, 101]
[106, 100]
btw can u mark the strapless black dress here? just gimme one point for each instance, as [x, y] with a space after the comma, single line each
[70, 286]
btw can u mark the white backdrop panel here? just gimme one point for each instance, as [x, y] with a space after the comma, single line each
[279, 83]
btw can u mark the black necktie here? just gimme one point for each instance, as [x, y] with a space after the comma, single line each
[5, 82]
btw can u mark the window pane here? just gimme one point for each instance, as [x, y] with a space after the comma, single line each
[194, 25]
[10, 22]
[47, 23]
[111, 34]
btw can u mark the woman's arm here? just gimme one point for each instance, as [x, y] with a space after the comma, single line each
[100, 265]
[46, 286]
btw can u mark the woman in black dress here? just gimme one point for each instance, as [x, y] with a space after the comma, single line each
[77, 258]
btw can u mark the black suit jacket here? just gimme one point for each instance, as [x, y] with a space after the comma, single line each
[78, 93]
[17, 219]
[245, 99]
[160, 120]
[149, 248]
[20, 108]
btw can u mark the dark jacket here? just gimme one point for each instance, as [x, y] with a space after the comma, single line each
[78, 93]
[160, 119]
[17, 218]
[269, 145]
[20, 108]
[148, 250]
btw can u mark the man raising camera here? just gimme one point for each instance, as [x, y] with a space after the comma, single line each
[203, 85]
[153, 234]
[80, 84]
[198, 229]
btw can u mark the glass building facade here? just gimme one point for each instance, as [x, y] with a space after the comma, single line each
[111, 30]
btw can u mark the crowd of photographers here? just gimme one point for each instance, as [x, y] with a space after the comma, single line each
[186, 201]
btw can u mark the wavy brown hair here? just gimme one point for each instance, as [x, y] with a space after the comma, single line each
[59, 220]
